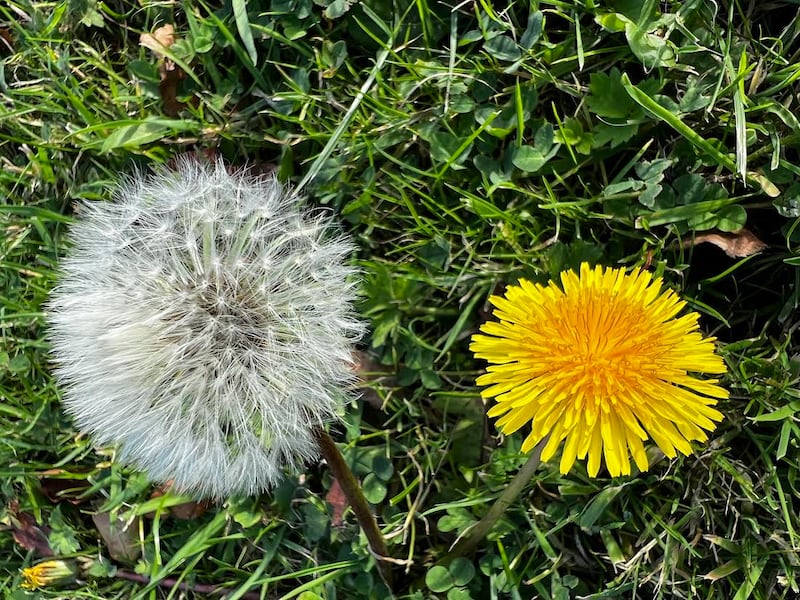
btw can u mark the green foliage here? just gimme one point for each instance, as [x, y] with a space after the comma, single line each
[463, 148]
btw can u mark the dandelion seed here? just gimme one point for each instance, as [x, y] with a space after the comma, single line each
[601, 363]
[203, 321]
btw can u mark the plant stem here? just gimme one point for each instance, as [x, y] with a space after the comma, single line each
[475, 534]
[198, 588]
[352, 490]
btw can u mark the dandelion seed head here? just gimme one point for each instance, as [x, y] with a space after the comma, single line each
[602, 363]
[203, 321]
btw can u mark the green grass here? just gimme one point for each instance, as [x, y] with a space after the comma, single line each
[463, 149]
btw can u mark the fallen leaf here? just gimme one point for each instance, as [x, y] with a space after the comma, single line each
[185, 511]
[159, 40]
[6, 39]
[27, 532]
[736, 245]
[168, 87]
[63, 485]
[170, 75]
[189, 510]
[337, 499]
[121, 541]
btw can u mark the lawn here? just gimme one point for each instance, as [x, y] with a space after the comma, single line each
[461, 147]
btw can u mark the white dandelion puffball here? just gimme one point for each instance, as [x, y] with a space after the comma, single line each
[204, 322]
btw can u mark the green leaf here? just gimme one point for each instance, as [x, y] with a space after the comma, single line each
[203, 42]
[528, 159]
[444, 145]
[649, 104]
[383, 468]
[784, 114]
[244, 29]
[607, 96]
[456, 519]
[503, 47]
[613, 22]
[653, 171]
[438, 579]
[315, 522]
[788, 203]
[622, 187]
[374, 489]
[691, 188]
[613, 549]
[635, 10]
[702, 221]
[143, 70]
[723, 571]
[681, 213]
[650, 48]
[731, 218]
[491, 169]
[430, 379]
[784, 412]
[337, 9]
[570, 131]
[462, 571]
[62, 538]
[133, 134]
[613, 135]
[19, 364]
[543, 138]
[693, 99]
[533, 31]
[333, 55]
[644, 99]
[247, 518]
[598, 506]
[754, 572]
[787, 430]
[649, 194]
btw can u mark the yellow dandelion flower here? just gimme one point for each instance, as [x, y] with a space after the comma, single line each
[49, 572]
[603, 363]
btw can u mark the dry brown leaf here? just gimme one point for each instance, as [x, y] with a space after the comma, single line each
[170, 75]
[59, 485]
[161, 38]
[736, 245]
[338, 500]
[168, 87]
[187, 510]
[57, 489]
[6, 40]
[121, 542]
[27, 532]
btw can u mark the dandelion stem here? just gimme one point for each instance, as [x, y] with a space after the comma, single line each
[475, 534]
[352, 490]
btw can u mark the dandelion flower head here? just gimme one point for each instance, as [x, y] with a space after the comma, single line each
[602, 363]
[203, 322]
[46, 573]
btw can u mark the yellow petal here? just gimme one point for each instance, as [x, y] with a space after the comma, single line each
[603, 361]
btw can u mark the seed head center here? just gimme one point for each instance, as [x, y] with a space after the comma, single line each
[225, 314]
